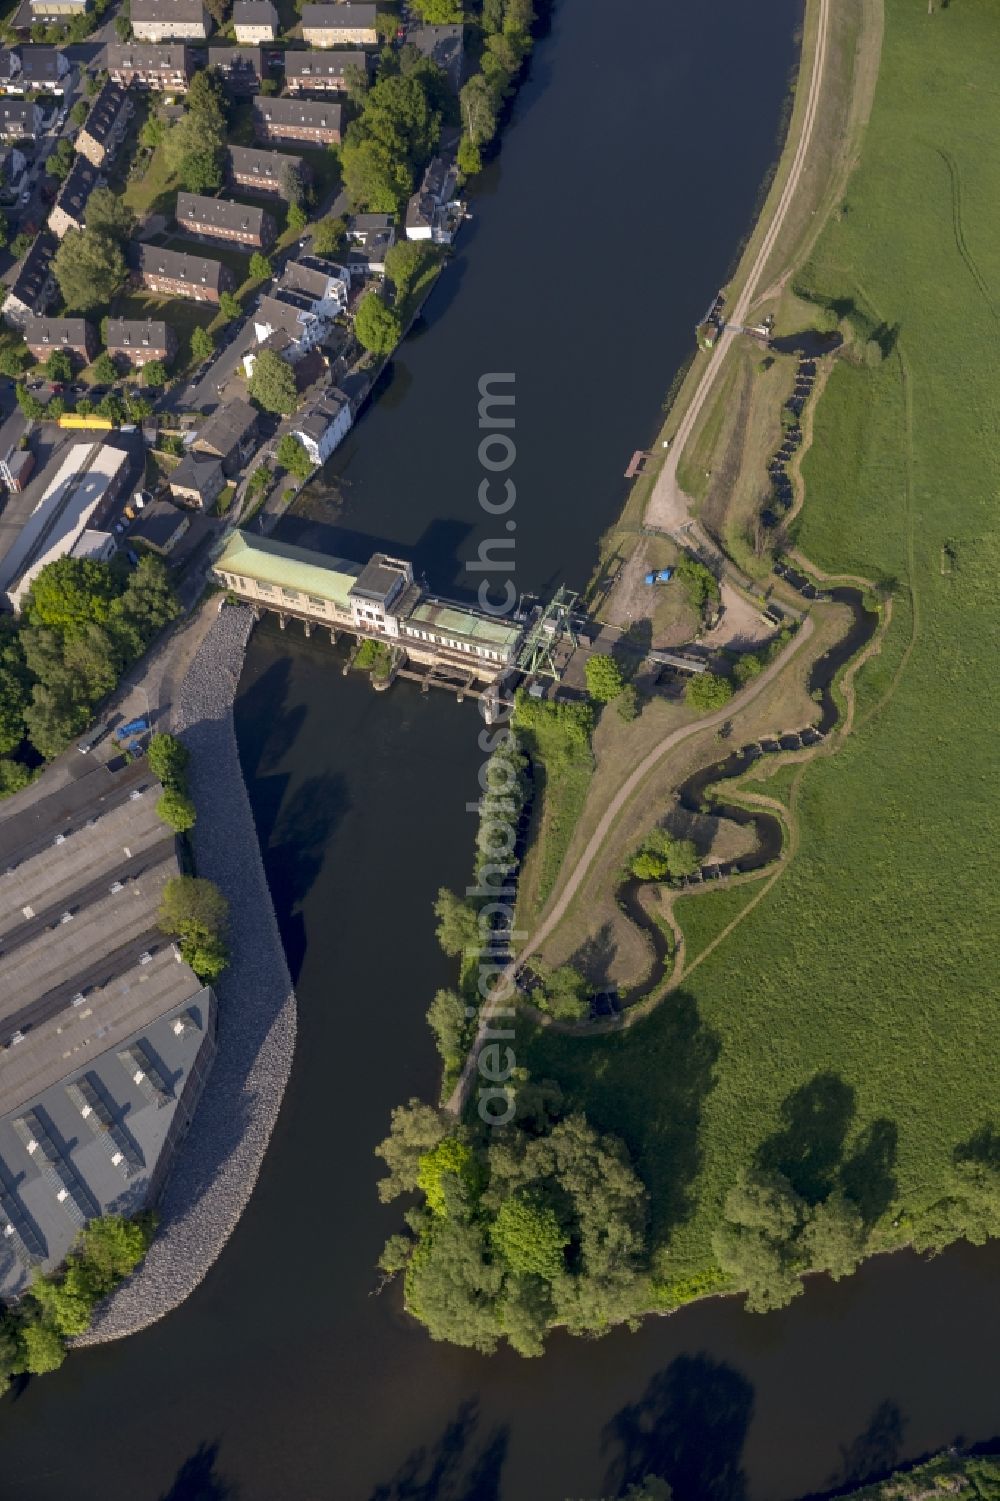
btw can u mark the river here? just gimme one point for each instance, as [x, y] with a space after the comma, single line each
[628, 174]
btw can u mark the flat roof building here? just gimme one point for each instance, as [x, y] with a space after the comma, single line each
[105, 1035]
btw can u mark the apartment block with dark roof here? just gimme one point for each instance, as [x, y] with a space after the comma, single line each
[297, 120]
[241, 68]
[140, 340]
[255, 21]
[230, 435]
[40, 68]
[321, 72]
[19, 119]
[174, 273]
[74, 335]
[344, 25]
[33, 289]
[167, 67]
[169, 20]
[264, 171]
[104, 130]
[221, 219]
[70, 208]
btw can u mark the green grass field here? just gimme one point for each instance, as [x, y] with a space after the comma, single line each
[872, 961]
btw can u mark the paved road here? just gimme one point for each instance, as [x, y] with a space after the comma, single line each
[600, 834]
[669, 508]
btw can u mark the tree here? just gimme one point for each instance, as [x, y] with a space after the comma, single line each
[152, 132]
[70, 594]
[30, 405]
[627, 703]
[154, 374]
[662, 857]
[112, 1247]
[469, 157]
[176, 810]
[528, 1235]
[564, 992]
[147, 605]
[292, 183]
[104, 369]
[42, 1349]
[329, 236]
[168, 759]
[834, 1237]
[374, 178]
[197, 912]
[4, 230]
[292, 456]
[747, 668]
[229, 307]
[55, 715]
[709, 691]
[89, 268]
[437, 12]
[112, 407]
[260, 267]
[377, 327]
[12, 360]
[451, 1158]
[447, 1020]
[66, 1302]
[404, 262]
[59, 366]
[604, 678]
[108, 214]
[757, 1244]
[202, 344]
[297, 218]
[356, 83]
[60, 159]
[479, 105]
[415, 1129]
[78, 114]
[458, 923]
[272, 383]
[123, 28]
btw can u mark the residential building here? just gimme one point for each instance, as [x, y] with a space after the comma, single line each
[346, 24]
[140, 340]
[74, 335]
[230, 435]
[105, 126]
[326, 286]
[222, 219]
[174, 273]
[241, 68]
[169, 20]
[287, 324]
[444, 45]
[166, 68]
[434, 213]
[102, 1066]
[34, 287]
[255, 21]
[74, 517]
[369, 237]
[324, 424]
[70, 208]
[321, 72]
[16, 468]
[20, 119]
[196, 482]
[297, 120]
[264, 171]
[159, 528]
[58, 10]
[42, 68]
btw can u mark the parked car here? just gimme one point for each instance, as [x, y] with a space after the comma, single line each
[25, 198]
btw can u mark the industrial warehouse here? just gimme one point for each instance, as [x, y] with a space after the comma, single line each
[107, 1036]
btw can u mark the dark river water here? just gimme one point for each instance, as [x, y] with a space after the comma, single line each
[627, 177]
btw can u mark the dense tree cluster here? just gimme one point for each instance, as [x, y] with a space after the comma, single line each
[661, 857]
[506, 26]
[543, 1223]
[168, 760]
[193, 147]
[292, 456]
[376, 325]
[272, 384]
[196, 912]
[82, 623]
[33, 1334]
[394, 136]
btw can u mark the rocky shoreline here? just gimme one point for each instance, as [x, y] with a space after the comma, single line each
[217, 1163]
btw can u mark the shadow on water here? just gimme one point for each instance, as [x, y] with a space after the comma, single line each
[875, 1451]
[688, 1428]
[460, 1466]
[199, 1479]
[441, 552]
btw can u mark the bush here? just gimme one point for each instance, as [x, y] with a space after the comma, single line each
[176, 810]
[604, 678]
[709, 691]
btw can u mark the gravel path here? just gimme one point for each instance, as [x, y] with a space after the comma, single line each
[217, 1163]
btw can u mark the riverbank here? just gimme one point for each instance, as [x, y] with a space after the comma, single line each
[217, 1163]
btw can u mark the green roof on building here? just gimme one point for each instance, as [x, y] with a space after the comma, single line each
[451, 620]
[289, 567]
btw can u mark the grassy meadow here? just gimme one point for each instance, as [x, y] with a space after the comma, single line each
[850, 1020]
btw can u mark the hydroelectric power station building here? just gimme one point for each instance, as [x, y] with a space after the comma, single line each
[379, 599]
